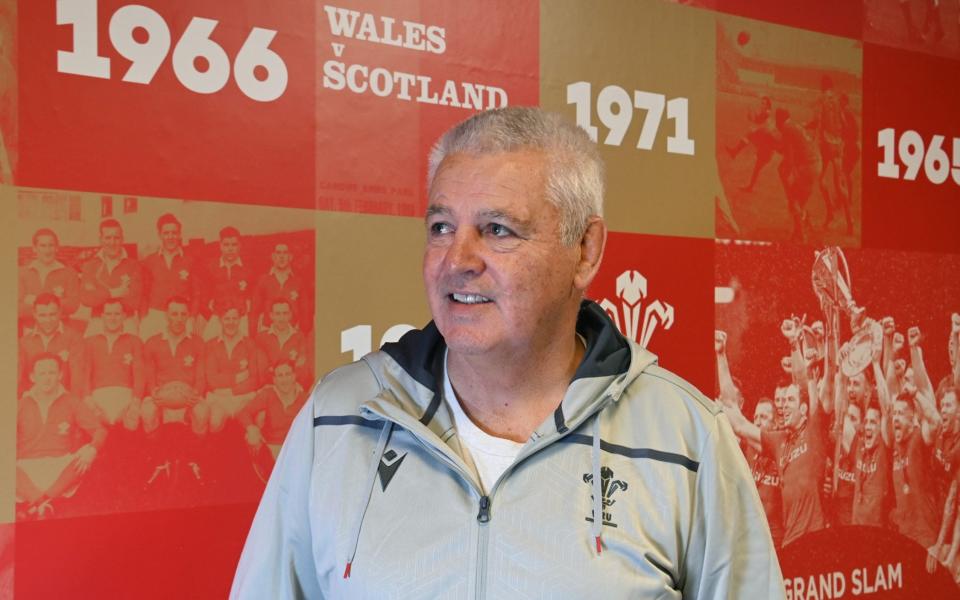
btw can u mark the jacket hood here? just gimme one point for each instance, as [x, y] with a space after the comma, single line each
[410, 373]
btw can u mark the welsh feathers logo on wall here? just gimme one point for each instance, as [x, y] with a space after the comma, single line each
[633, 297]
[658, 291]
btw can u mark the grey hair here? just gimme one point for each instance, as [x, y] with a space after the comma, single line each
[574, 168]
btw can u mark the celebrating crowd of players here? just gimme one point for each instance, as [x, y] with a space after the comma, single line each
[836, 446]
[136, 349]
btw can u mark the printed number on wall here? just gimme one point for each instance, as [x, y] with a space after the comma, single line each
[914, 154]
[359, 338]
[615, 110]
[142, 36]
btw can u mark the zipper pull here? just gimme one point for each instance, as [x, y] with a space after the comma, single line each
[484, 515]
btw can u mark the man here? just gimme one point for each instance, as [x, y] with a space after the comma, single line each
[763, 466]
[282, 340]
[268, 417]
[281, 282]
[229, 280]
[914, 477]
[797, 170]
[763, 138]
[114, 377]
[827, 124]
[518, 445]
[47, 274]
[872, 497]
[232, 375]
[111, 274]
[800, 448]
[167, 272]
[50, 336]
[57, 440]
[174, 370]
[845, 466]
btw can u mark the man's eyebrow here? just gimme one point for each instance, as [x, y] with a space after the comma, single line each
[436, 209]
[499, 215]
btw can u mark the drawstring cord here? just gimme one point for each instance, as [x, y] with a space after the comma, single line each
[597, 525]
[371, 482]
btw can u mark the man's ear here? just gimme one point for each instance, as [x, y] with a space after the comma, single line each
[592, 244]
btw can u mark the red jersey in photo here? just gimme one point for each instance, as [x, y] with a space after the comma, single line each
[226, 280]
[766, 475]
[872, 496]
[224, 360]
[66, 343]
[60, 280]
[801, 455]
[167, 359]
[916, 515]
[64, 426]
[115, 361]
[169, 275]
[280, 284]
[99, 275]
[277, 416]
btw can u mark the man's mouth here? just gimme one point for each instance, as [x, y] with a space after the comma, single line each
[470, 298]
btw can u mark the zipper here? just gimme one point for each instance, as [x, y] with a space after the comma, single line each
[485, 500]
[483, 539]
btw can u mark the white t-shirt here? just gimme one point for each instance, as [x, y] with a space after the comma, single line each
[491, 455]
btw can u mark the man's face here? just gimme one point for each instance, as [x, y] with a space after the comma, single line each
[230, 320]
[779, 399]
[46, 375]
[280, 315]
[45, 248]
[281, 256]
[111, 241]
[230, 248]
[793, 411]
[113, 317]
[763, 415]
[170, 237]
[47, 317]
[902, 419]
[284, 379]
[496, 273]
[871, 427]
[856, 388]
[948, 406]
[851, 422]
[177, 318]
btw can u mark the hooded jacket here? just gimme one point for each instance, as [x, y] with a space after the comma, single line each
[370, 497]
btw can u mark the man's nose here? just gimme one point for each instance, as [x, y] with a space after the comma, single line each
[465, 254]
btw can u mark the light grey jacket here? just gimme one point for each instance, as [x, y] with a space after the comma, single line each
[370, 498]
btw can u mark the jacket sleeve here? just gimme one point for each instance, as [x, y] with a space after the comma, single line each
[277, 559]
[730, 553]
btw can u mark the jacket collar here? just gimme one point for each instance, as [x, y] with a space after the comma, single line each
[410, 372]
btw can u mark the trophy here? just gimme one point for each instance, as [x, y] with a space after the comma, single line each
[830, 277]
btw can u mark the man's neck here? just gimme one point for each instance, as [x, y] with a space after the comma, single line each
[509, 395]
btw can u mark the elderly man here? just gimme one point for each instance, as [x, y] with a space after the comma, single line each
[518, 445]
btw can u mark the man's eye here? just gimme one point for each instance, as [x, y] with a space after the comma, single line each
[498, 230]
[439, 228]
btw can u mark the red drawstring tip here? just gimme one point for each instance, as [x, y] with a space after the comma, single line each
[599, 548]
[346, 572]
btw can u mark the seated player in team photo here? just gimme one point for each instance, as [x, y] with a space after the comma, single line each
[114, 374]
[268, 417]
[232, 375]
[58, 437]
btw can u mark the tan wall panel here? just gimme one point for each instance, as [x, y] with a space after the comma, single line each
[368, 274]
[649, 47]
